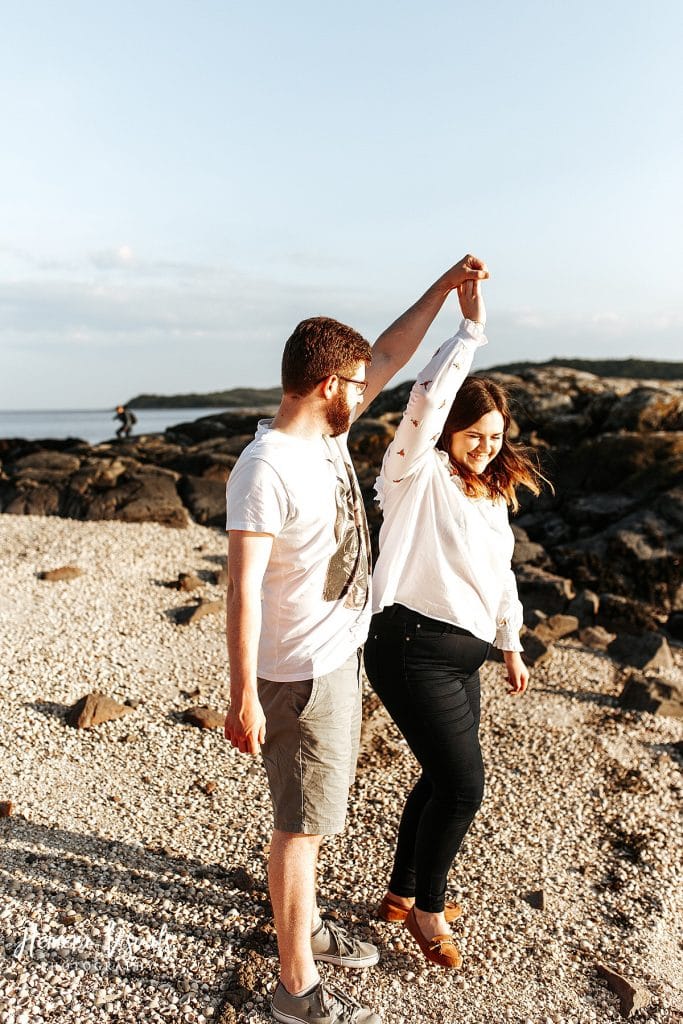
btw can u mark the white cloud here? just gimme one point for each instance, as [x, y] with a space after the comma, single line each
[119, 258]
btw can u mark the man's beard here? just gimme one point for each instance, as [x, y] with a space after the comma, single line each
[338, 415]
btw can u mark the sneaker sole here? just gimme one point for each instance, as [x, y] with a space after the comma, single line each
[342, 961]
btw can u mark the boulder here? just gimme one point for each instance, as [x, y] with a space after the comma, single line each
[653, 693]
[596, 637]
[95, 709]
[674, 626]
[585, 606]
[648, 651]
[543, 590]
[144, 494]
[624, 614]
[205, 498]
[537, 647]
[648, 408]
[561, 625]
[187, 582]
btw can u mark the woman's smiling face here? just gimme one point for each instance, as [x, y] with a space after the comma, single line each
[476, 445]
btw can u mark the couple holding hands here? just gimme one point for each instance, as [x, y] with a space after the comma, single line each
[300, 609]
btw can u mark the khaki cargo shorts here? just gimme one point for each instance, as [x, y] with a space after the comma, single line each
[311, 748]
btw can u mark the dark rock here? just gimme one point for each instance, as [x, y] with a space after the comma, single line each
[6, 808]
[597, 637]
[205, 498]
[585, 606]
[203, 717]
[537, 648]
[632, 464]
[27, 498]
[631, 997]
[527, 552]
[647, 408]
[193, 613]
[145, 494]
[645, 652]
[623, 614]
[66, 572]
[543, 590]
[211, 787]
[94, 709]
[187, 581]
[370, 438]
[650, 693]
[537, 899]
[534, 617]
[561, 625]
[674, 625]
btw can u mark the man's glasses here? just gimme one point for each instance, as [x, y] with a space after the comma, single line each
[361, 385]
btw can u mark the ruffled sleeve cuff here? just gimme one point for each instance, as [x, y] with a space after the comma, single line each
[507, 636]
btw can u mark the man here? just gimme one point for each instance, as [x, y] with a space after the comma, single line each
[127, 418]
[298, 611]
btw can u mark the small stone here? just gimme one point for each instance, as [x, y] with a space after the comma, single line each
[69, 917]
[187, 581]
[210, 787]
[95, 709]
[6, 808]
[536, 899]
[66, 572]
[193, 613]
[204, 717]
[631, 997]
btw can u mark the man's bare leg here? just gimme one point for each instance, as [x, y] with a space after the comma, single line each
[291, 880]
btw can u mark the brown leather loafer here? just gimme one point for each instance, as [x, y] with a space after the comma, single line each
[389, 910]
[440, 949]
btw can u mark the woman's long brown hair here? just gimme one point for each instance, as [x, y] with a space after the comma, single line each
[514, 466]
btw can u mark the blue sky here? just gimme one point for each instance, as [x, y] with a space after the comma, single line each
[182, 182]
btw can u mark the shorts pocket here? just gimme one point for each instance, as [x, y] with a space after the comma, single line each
[302, 696]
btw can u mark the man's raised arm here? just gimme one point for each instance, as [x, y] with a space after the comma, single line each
[400, 341]
[248, 554]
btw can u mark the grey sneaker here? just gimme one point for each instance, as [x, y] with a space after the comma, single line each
[331, 943]
[324, 1005]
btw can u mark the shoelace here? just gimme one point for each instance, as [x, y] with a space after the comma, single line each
[333, 998]
[345, 944]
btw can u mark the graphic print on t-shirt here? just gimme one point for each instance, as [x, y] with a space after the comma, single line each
[348, 568]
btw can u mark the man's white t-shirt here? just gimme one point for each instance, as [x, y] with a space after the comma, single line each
[315, 595]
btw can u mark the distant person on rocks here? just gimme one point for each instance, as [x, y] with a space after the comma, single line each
[128, 420]
[444, 593]
[298, 610]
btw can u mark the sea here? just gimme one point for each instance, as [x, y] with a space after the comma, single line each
[92, 425]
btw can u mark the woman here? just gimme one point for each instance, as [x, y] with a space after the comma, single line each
[444, 592]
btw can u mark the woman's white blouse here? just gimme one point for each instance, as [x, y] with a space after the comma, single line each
[442, 553]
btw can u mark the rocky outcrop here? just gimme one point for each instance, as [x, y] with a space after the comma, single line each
[606, 546]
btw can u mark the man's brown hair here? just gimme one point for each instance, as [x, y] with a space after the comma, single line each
[318, 348]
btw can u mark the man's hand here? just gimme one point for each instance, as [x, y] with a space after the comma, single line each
[245, 727]
[470, 268]
[472, 302]
[518, 673]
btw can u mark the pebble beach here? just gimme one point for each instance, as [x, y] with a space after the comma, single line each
[133, 868]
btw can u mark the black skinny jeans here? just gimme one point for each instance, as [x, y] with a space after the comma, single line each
[427, 675]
